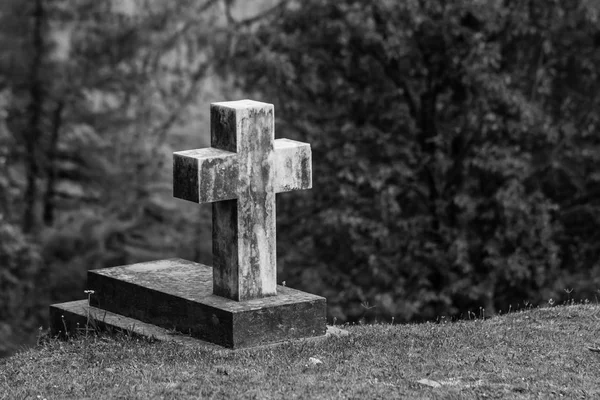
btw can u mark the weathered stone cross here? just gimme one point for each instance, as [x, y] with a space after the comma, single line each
[240, 174]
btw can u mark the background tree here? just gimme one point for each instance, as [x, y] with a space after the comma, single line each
[447, 163]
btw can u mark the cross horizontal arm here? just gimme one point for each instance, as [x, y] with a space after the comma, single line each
[205, 175]
[292, 165]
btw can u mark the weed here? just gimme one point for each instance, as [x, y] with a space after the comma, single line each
[89, 321]
[569, 299]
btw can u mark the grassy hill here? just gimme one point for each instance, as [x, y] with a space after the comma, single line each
[539, 353]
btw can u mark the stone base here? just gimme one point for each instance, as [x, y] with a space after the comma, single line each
[176, 295]
[72, 317]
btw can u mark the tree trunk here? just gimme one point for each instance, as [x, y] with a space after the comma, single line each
[35, 109]
[51, 182]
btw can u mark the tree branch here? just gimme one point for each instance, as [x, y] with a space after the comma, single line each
[256, 18]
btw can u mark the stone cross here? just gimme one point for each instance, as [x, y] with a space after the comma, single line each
[240, 174]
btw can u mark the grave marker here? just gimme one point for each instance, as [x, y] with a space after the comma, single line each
[240, 174]
[235, 303]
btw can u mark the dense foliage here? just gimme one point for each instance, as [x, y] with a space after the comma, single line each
[455, 145]
[455, 150]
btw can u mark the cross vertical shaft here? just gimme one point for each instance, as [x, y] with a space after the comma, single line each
[244, 254]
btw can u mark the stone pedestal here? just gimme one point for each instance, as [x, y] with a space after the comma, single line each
[176, 294]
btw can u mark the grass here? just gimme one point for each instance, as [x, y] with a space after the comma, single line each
[540, 353]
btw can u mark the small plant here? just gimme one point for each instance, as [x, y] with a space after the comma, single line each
[90, 320]
[62, 317]
[365, 305]
[43, 336]
[569, 299]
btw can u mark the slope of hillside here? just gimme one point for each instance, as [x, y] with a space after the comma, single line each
[539, 353]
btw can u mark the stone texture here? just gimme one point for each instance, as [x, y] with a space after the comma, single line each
[209, 171]
[176, 294]
[240, 174]
[292, 165]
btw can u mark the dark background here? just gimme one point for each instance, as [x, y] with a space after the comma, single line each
[455, 147]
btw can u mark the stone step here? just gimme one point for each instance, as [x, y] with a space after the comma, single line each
[75, 317]
[176, 294]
